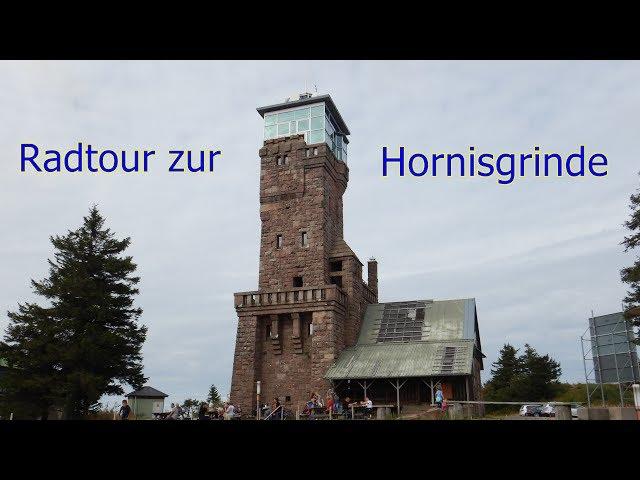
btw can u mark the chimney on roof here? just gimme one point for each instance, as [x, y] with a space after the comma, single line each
[372, 275]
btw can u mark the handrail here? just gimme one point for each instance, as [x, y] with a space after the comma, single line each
[482, 402]
[281, 413]
[290, 296]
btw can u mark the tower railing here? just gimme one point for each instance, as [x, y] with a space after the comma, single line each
[368, 294]
[290, 296]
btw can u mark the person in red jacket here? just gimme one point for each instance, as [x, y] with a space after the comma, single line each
[329, 403]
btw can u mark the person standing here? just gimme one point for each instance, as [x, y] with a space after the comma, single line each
[229, 411]
[329, 403]
[439, 397]
[202, 412]
[125, 410]
[337, 405]
[275, 405]
[368, 405]
[175, 411]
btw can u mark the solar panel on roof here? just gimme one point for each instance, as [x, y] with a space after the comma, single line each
[402, 322]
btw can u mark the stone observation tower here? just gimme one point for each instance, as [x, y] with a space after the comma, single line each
[311, 297]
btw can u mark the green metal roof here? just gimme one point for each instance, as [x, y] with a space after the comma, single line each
[418, 338]
[398, 360]
[443, 319]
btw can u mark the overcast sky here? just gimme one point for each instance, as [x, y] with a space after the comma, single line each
[538, 255]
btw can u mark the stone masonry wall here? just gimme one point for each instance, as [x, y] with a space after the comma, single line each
[302, 195]
[285, 373]
[335, 182]
[327, 336]
[244, 362]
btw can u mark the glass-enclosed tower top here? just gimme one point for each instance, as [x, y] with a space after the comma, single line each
[315, 117]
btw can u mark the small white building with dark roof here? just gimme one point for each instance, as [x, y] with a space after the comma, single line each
[145, 402]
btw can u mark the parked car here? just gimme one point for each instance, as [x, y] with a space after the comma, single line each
[548, 410]
[574, 410]
[530, 410]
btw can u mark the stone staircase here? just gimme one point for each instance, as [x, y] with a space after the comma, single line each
[420, 412]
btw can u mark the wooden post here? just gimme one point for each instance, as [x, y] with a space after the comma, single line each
[364, 387]
[433, 400]
[469, 407]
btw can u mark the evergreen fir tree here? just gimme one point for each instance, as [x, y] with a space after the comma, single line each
[631, 275]
[214, 396]
[191, 405]
[29, 385]
[527, 377]
[540, 376]
[506, 368]
[87, 342]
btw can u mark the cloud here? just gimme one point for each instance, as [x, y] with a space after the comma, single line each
[537, 255]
